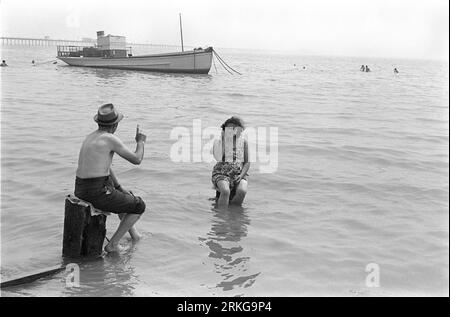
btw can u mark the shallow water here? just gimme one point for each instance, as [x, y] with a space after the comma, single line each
[362, 177]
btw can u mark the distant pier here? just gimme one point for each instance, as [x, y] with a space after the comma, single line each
[28, 41]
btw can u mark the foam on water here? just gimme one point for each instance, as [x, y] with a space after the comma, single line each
[362, 177]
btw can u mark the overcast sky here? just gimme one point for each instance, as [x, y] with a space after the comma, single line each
[379, 28]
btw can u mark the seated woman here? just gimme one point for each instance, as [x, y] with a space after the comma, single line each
[229, 175]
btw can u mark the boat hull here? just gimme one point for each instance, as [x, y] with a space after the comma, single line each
[193, 62]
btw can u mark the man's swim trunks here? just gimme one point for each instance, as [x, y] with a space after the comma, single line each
[100, 192]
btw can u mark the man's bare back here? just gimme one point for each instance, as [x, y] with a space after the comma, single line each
[95, 155]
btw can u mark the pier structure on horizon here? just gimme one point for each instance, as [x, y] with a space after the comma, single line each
[28, 41]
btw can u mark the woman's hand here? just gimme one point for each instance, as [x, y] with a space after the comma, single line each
[238, 178]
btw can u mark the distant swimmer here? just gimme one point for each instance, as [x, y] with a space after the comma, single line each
[229, 175]
[396, 71]
[304, 67]
[367, 69]
[3, 64]
[363, 68]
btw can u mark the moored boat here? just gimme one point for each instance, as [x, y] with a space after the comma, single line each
[111, 52]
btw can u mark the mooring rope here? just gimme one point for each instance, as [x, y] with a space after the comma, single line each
[224, 64]
[214, 63]
[224, 67]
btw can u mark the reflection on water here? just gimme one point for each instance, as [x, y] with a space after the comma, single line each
[108, 276]
[106, 73]
[227, 229]
[103, 73]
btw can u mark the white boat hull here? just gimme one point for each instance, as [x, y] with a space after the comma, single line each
[195, 62]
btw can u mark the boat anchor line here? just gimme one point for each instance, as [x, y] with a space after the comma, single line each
[224, 64]
[214, 63]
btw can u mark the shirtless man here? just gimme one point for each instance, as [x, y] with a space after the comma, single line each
[95, 180]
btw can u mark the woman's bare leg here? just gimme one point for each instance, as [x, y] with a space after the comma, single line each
[241, 191]
[224, 189]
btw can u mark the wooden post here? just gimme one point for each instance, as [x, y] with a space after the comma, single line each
[83, 234]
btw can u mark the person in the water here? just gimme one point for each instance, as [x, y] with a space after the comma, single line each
[95, 180]
[229, 175]
[367, 69]
[395, 71]
[363, 68]
[3, 64]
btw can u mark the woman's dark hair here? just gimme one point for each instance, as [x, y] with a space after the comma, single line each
[233, 120]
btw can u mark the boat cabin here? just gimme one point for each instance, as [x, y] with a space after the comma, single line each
[108, 46]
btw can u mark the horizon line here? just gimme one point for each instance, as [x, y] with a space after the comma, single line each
[279, 51]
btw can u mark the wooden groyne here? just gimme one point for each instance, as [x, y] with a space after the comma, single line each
[28, 41]
[31, 277]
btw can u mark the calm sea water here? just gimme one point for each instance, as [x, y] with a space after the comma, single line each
[362, 177]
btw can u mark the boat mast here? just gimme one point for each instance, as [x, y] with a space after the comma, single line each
[181, 30]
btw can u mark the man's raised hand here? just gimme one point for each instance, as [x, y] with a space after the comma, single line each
[140, 136]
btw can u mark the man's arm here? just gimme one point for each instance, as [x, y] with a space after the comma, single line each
[117, 184]
[119, 147]
[133, 157]
[114, 179]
